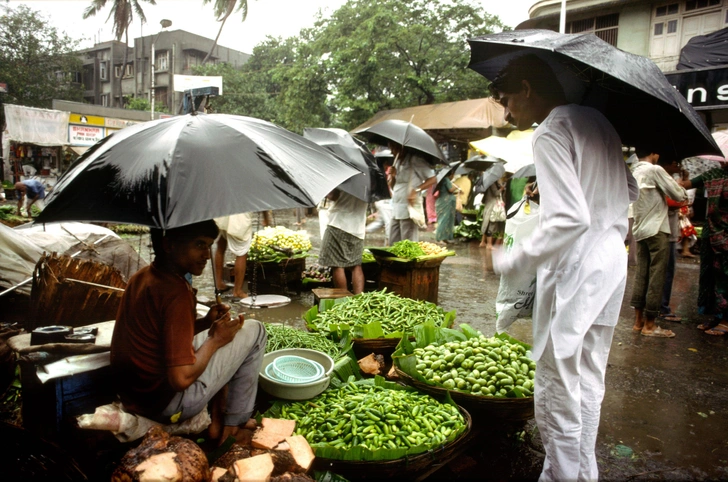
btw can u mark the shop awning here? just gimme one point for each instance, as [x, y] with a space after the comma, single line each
[42, 127]
[464, 120]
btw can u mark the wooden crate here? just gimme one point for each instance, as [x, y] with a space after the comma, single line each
[416, 280]
[276, 277]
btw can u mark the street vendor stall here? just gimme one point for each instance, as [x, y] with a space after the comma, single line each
[33, 143]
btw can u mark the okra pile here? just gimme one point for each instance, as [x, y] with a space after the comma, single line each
[375, 417]
[488, 367]
[395, 313]
[281, 337]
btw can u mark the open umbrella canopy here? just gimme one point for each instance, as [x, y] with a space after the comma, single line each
[481, 163]
[371, 184]
[619, 84]
[526, 171]
[181, 170]
[405, 134]
[442, 173]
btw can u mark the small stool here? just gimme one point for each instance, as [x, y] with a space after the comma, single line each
[329, 294]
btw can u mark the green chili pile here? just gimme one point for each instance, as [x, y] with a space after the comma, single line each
[281, 337]
[375, 418]
[395, 313]
[407, 249]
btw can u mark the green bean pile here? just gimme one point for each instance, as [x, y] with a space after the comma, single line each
[374, 417]
[395, 313]
[480, 366]
[406, 249]
[281, 337]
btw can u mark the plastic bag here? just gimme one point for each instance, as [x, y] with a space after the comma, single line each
[516, 292]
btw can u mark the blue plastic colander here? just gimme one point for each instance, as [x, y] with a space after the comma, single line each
[294, 369]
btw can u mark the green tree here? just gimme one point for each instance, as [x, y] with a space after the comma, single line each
[36, 61]
[391, 54]
[122, 11]
[223, 9]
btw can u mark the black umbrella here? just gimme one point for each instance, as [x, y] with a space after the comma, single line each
[630, 90]
[176, 171]
[405, 134]
[482, 163]
[371, 184]
[446, 171]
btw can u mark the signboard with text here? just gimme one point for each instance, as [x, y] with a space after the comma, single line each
[702, 88]
[84, 135]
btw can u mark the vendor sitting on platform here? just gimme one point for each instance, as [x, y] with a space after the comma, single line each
[32, 190]
[164, 371]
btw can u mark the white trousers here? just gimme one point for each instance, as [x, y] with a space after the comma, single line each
[568, 399]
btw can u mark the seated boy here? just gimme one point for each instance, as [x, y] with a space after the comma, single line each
[164, 371]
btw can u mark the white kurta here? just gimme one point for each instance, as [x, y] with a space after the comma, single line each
[577, 252]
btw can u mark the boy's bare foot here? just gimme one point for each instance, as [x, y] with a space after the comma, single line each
[687, 254]
[240, 294]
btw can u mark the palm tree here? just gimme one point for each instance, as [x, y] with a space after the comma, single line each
[223, 9]
[123, 13]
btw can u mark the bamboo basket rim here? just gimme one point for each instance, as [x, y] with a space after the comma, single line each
[458, 396]
[431, 454]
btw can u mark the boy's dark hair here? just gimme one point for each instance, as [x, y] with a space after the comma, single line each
[203, 228]
[533, 69]
[642, 152]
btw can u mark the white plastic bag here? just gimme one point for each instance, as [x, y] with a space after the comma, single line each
[516, 292]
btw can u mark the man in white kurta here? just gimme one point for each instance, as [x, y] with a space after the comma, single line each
[577, 254]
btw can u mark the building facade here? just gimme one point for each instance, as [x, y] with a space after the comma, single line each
[655, 29]
[175, 52]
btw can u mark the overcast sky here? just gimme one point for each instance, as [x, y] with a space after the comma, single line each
[278, 18]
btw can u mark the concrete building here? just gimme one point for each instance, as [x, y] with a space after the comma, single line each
[176, 52]
[655, 29]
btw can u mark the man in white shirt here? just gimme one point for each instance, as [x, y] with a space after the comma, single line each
[343, 242]
[577, 254]
[651, 230]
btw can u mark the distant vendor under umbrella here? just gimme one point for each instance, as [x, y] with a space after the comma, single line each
[32, 190]
[409, 179]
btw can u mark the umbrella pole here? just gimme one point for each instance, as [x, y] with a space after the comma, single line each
[218, 299]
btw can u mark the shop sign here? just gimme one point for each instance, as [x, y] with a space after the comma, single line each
[702, 87]
[36, 126]
[87, 120]
[119, 123]
[84, 135]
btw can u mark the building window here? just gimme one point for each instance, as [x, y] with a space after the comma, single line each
[103, 71]
[671, 9]
[129, 70]
[162, 60]
[105, 100]
[659, 27]
[605, 27]
[698, 4]
[160, 96]
[117, 71]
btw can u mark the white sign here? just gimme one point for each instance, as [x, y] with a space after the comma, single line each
[84, 135]
[187, 82]
[37, 126]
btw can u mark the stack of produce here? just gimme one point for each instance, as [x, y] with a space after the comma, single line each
[375, 314]
[406, 249]
[317, 273]
[281, 337]
[367, 257]
[273, 244]
[431, 248]
[373, 420]
[480, 366]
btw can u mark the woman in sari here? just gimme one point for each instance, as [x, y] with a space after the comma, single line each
[713, 288]
[445, 205]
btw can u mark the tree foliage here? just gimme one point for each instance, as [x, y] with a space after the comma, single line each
[367, 57]
[36, 61]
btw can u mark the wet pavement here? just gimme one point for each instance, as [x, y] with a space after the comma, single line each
[664, 412]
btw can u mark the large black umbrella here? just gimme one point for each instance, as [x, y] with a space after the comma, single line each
[405, 134]
[482, 163]
[371, 184]
[630, 90]
[177, 171]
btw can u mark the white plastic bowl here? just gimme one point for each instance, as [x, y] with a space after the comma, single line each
[303, 391]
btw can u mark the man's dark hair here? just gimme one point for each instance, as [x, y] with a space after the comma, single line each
[642, 152]
[533, 69]
[203, 228]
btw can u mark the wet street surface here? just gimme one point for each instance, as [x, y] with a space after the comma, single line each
[664, 412]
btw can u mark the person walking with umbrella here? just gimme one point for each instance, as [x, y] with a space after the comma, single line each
[446, 203]
[577, 254]
[409, 177]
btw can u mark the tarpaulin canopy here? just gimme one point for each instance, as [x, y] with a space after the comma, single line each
[42, 127]
[515, 149]
[464, 120]
[709, 50]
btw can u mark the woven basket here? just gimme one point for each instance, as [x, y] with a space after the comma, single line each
[406, 468]
[506, 409]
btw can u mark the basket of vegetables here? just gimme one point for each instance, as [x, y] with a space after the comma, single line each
[411, 254]
[317, 276]
[277, 244]
[375, 429]
[492, 375]
[281, 337]
[375, 320]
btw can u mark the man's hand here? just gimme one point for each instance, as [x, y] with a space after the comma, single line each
[224, 329]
